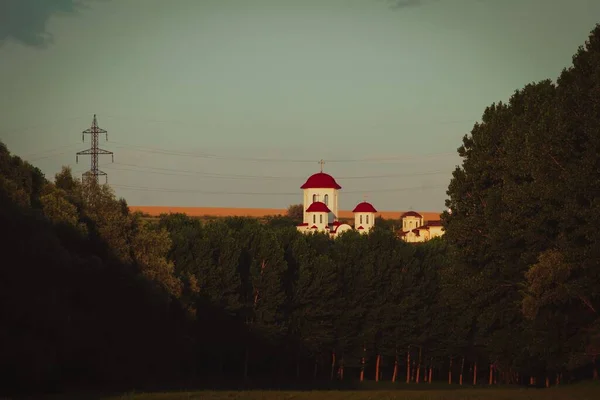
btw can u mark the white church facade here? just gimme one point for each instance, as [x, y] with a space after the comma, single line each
[416, 230]
[321, 213]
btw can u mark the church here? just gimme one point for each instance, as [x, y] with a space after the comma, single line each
[321, 208]
[320, 205]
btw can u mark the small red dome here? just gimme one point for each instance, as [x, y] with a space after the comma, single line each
[411, 214]
[320, 180]
[317, 206]
[364, 207]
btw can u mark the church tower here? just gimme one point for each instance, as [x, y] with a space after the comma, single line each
[364, 217]
[323, 188]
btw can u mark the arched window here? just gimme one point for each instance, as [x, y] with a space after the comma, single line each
[314, 218]
[367, 219]
[314, 198]
[326, 199]
[321, 218]
[361, 219]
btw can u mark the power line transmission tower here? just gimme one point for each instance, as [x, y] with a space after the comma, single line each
[94, 152]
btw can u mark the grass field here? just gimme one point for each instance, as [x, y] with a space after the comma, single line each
[587, 391]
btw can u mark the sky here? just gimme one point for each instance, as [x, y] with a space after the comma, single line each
[232, 103]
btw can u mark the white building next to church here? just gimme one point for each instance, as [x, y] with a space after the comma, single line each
[321, 208]
[416, 230]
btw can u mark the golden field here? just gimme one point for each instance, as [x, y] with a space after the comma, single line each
[155, 211]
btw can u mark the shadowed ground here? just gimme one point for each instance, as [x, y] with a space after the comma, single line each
[581, 391]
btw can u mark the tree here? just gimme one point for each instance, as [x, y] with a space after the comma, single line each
[296, 213]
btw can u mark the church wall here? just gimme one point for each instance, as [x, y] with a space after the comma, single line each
[317, 218]
[332, 202]
[360, 219]
[410, 223]
[435, 231]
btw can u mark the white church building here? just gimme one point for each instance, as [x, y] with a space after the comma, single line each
[321, 195]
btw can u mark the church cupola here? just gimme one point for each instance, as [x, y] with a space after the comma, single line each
[364, 217]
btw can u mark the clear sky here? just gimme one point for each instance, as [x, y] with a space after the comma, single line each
[233, 102]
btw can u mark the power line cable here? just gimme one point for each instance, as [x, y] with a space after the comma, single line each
[153, 150]
[168, 190]
[181, 172]
[43, 152]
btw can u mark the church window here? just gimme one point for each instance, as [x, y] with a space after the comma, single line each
[321, 218]
[361, 219]
[314, 218]
[314, 198]
[367, 219]
[326, 199]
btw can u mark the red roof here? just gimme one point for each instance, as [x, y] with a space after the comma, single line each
[303, 224]
[411, 214]
[336, 226]
[318, 206]
[320, 180]
[364, 207]
[430, 223]
[360, 227]
[314, 227]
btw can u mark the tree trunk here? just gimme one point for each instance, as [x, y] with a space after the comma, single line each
[475, 373]
[557, 382]
[297, 369]
[419, 365]
[462, 367]
[362, 365]
[430, 372]
[408, 366]
[221, 366]
[332, 364]
[450, 372]
[547, 381]
[595, 372]
[246, 360]
[491, 373]
[395, 374]
[377, 368]
[315, 368]
[342, 369]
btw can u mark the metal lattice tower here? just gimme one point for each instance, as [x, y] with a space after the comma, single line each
[94, 152]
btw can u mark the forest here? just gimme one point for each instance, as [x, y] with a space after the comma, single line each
[92, 295]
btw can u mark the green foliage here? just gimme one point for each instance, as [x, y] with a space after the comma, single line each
[296, 213]
[523, 231]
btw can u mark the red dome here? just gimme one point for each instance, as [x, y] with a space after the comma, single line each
[320, 180]
[411, 214]
[364, 207]
[317, 206]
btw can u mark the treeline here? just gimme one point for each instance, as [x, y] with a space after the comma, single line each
[93, 295]
[523, 231]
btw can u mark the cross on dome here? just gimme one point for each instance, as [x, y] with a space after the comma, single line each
[322, 163]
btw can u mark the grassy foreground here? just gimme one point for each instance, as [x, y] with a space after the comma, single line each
[588, 391]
